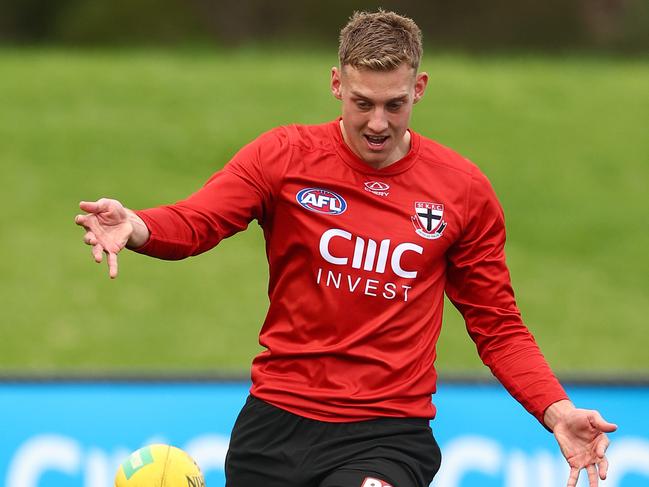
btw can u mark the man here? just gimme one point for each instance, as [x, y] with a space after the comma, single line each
[367, 224]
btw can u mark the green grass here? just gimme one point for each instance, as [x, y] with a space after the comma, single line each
[563, 141]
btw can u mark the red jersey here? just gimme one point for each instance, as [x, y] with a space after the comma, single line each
[359, 261]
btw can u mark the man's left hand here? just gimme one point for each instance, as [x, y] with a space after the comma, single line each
[581, 435]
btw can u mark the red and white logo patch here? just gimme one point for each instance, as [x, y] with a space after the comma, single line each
[372, 482]
[428, 219]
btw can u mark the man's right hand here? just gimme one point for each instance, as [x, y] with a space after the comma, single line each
[109, 227]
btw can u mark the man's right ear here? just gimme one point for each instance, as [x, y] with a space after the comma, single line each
[336, 83]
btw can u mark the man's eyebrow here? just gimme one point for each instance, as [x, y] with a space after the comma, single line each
[357, 94]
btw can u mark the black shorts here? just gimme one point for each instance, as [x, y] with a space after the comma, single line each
[271, 447]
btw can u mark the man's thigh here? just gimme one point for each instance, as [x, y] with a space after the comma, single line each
[270, 447]
[389, 453]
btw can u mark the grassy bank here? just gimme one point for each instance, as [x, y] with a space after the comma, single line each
[563, 141]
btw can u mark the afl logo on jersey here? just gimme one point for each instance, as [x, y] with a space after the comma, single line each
[322, 201]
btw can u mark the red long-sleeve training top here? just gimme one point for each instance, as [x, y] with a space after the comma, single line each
[359, 261]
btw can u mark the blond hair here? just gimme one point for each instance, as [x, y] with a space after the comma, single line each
[380, 41]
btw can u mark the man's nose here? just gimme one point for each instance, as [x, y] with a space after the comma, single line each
[378, 122]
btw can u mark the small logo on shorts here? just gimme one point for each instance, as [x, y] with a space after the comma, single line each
[372, 482]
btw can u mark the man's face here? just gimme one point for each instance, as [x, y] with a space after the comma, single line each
[376, 109]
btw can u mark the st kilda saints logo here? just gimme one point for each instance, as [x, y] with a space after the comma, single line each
[427, 219]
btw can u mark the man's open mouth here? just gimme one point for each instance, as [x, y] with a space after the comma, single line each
[376, 141]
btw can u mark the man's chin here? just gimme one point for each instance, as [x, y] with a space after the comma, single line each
[376, 159]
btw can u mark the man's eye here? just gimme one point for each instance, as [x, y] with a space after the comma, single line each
[363, 105]
[393, 107]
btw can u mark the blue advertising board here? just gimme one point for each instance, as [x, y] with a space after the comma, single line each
[75, 434]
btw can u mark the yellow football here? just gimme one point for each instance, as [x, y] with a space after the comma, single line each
[159, 466]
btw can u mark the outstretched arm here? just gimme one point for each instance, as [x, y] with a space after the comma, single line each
[109, 228]
[480, 287]
[581, 435]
